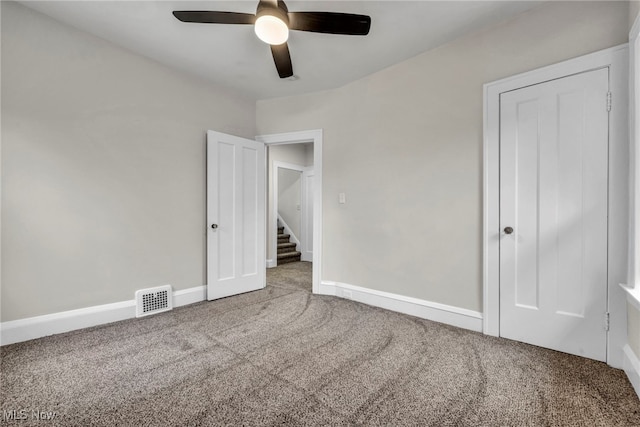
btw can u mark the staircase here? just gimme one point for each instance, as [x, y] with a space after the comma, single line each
[286, 250]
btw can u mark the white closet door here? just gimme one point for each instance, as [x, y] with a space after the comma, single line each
[553, 214]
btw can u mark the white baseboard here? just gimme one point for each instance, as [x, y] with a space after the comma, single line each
[455, 316]
[189, 296]
[327, 288]
[271, 263]
[631, 366]
[40, 326]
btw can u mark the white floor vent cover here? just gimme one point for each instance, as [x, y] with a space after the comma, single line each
[153, 300]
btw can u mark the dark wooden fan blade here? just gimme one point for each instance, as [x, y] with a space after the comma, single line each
[208, 17]
[330, 23]
[282, 59]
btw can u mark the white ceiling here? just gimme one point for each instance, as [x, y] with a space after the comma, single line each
[232, 56]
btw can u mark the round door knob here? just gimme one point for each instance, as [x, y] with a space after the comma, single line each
[508, 230]
[214, 226]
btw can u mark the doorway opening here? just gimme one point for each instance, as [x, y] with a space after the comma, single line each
[292, 207]
[295, 161]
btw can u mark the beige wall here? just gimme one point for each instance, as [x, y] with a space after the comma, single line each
[297, 154]
[103, 168]
[290, 199]
[405, 145]
[634, 11]
[308, 154]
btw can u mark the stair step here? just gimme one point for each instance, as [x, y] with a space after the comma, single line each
[289, 257]
[286, 247]
[280, 230]
[288, 260]
[289, 254]
[286, 244]
[283, 238]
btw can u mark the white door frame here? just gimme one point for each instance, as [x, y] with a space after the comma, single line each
[616, 59]
[633, 280]
[314, 136]
[273, 226]
[305, 248]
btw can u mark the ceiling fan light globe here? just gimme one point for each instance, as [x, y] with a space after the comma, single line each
[271, 29]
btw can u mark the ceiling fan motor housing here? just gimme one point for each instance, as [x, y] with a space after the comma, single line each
[281, 12]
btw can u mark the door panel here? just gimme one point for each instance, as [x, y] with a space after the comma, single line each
[553, 193]
[226, 164]
[236, 205]
[249, 243]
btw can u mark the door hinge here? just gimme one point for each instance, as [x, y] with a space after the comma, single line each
[606, 321]
[608, 101]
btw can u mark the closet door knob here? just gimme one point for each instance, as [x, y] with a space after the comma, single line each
[214, 226]
[508, 230]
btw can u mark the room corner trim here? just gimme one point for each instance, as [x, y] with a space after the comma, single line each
[271, 263]
[15, 331]
[442, 313]
[631, 366]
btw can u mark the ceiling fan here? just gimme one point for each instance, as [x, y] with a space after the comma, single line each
[272, 22]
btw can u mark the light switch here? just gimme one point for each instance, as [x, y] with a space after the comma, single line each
[342, 199]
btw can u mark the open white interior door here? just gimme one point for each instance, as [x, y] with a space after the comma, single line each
[235, 215]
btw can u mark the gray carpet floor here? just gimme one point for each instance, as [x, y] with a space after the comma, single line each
[282, 356]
